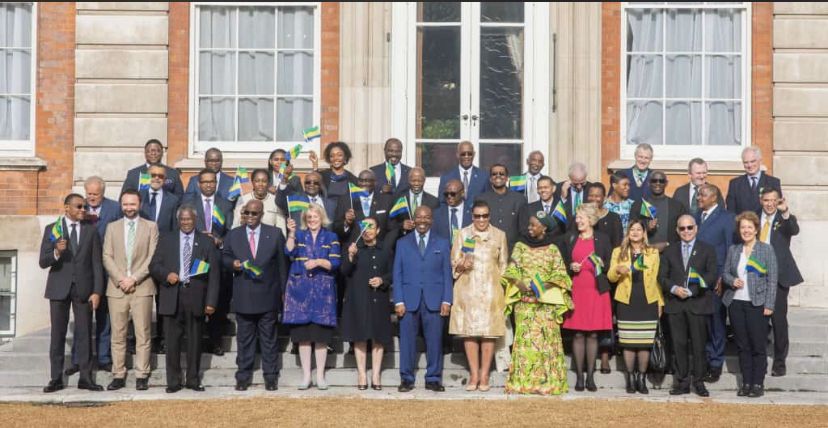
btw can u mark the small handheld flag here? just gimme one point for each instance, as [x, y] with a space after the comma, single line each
[468, 245]
[390, 173]
[560, 212]
[517, 183]
[755, 266]
[311, 133]
[199, 267]
[638, 264]
[298, 203]
[647, 210]
[235, 189]
[251, 270]
[365, 225]
[57, 230]
[400, 207]
[356, 191]
[294, 152]
[282, 168]
[144, 181]
[537, 286]
[693, 277]
[242, 175]
[218, 216]
[597, 263]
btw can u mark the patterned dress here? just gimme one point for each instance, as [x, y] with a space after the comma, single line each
[622, 209]
[538, 365]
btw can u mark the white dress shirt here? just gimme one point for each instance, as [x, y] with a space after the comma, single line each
[744, 292]
[158, 198]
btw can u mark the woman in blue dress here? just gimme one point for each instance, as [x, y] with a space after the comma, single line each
[310, 293]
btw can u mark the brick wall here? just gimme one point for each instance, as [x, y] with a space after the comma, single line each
[330, 72]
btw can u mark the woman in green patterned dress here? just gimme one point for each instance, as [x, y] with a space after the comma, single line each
[538, 365]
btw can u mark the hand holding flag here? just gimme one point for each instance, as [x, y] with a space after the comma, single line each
[251, 270]
[400, 207]
[468, 245]
[647, 210]
[199, 267]
[517, 183]
[56, 232]
[298, 203]
[311, 134]
[144, 181]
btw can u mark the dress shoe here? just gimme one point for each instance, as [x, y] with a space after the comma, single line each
[435, 386]
[376, 386]
[606, 370]
[173, 389]
[484, 387]
[641, 383]
[90, 386]
[161, 349]
[197, 388]
[141, 384]
[628, 383]
[590, 383]
[362, 387]
[241, 386]
[713, 374]
[131, 346]
[71, 370]
[701, 390]
[579, 381]
[271, 385]
[116, 384]
[743, 391]
[105, 367]
[756, 391]
[304, 385]
[405, 387]
[779, 371]
[680, 389]
[54, 386]
[217, 350]
[321, 385]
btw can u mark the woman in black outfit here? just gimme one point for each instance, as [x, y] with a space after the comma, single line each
[366, 311]
[336, 178]
[292, 181]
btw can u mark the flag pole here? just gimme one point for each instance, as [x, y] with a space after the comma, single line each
[410, 215]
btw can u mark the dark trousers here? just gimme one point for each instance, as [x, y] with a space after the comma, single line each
[717, 334]
[59, 315]
[176, 326]
[750, 329]
[159, 323]
[779, 321]
[432, 324]
[687, 327]
[103, 336]
[252, 328]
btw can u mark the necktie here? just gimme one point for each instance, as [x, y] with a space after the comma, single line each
[393, 178]
[685, 254]
[73, 238]
[188, 259]
[208, 215]
[694, 205]
[546, 208]
[753, 183]
[466, 182]
[454, 225]
[130, 244]
[533, 190]
[366, 206]
[415, 202]
[577, 200]
[252, 244]
[152, 205]
[763, 235]
[639, 177]
[313, 200]
[704, 216]
[422, 244]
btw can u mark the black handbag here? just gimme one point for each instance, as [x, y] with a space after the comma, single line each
[658, 355]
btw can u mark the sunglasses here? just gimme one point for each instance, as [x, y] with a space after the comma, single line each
[686, 228]
[658, 180]
[77, 206]
[496, 174]
[480, 216]
[158, 175]
[451, 194]
[251, 213]
[312, 183]
[467, 154]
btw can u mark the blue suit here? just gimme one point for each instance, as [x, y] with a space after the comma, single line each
[223, 189]
[166, 219]
[422, 282]
[717, 231]
[109, 212]
[478, 183]
[441, 225]
[636, 191]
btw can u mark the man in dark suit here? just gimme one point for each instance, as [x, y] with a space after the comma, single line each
[661, 231]
[639, 173]
[716, 228]
[686, 194]
[454, 214]
[422, 294]
[161, 206]
[203, 204]
[256, 300]
[504, 204]
[574, 191]
[393, 153]
[153, 152]
[213, 160]
[185, 296]
[72, 252]
[473, 179]
[744, 191]
[416, 196]
[688, 303]
[350, 211]
[777, 228]
[534, 164]
[547, 203]
[313, 190]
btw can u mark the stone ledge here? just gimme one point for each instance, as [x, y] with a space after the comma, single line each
[680, 167]
[22, 164]
[195, 164]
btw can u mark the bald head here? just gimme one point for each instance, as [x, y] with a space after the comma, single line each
[454, 193]
[252, 212]
[465, 154]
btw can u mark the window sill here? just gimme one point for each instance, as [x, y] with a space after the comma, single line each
[22, 164]
[680, 167]
[303, 164]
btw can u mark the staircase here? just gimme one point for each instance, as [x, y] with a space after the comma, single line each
[24, 363]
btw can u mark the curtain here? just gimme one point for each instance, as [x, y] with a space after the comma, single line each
[15, 71]
[217, 74]
[644, 76]
[294, 107]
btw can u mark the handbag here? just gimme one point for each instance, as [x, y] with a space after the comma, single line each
[658, 355]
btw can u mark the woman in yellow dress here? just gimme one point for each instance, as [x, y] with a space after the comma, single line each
[479, 256]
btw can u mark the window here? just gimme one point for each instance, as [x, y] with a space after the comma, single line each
[255, 75]
[8, 291]
[16, 79]
[686, 75]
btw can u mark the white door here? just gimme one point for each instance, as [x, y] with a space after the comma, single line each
[468, 71]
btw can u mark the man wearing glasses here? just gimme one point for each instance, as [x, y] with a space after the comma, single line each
[350, 211]
[661, 230]
[160, 206]
[454, 214]
[474, 180]
[316, 195]
[153, 153]
[504, 204]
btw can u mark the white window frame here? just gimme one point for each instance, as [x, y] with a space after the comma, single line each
[12, 293]
[684, 152]
[252, 149]
[13, 148]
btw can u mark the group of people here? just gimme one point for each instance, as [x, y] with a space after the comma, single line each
[502, 262]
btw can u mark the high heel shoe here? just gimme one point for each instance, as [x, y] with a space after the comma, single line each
[376, 386]
[590, 383]
[305, 385]
[628, 382]
[579, 381]
[362, 387]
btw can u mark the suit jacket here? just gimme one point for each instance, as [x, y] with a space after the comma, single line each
[478, 183]
[82, 268]
[263, 294]
[226, 208]
[326, 178]
[761, 288]
[114, 256]
[109, 212]
[682, 195]
[202, 290]
[222, 190]
[637, 192]
[441, 226]
[379, 174]
[718, 231]
[166, 220]
[425, 276]
[380, 204]
[674, 210]
[741, 198]
[672, 272]
[781, 232]
[603, 249]
[426, 199]
[527, 211]
[172, 183]
[559, 195]
[294, 183]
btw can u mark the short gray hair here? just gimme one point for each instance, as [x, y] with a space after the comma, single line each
[577, 166]
[95, 180]
[186, 208]
[644, 146]
[756, 151]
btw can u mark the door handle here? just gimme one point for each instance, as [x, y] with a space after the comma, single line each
[474, 118]
[464, 117]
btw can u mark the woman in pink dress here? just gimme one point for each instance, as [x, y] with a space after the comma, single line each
[587, 253]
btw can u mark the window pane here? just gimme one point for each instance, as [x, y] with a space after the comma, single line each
[5, 313]
[723, 30]
[502, 153]
[644, 122]
[215, 119]
[501, 83]
[16, 25]
[15, 67]
[436, 158]
[295, 73]
[724, 76]
[14, 118]
[438, 11]
[438, 86]
[5, 274]
[684, 30]
[293, 115]
[683, 123]
[257, 27]
[217, 27]
[217, 73]
[256, 73]
[255, 119]
[501, 12]
[644, 76]
[295, 28]
[683, 77]
[644, 30]
[724, 123]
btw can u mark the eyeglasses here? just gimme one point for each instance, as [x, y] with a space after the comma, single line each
[158, 175]
[77, 206]
[502, 174]
[250, 213]
[207, 181]
[312, 183]
[451, 194]
[658, 180]
[466, 153]
[480, 216]
[686, 228]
